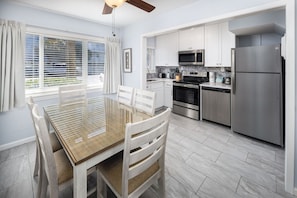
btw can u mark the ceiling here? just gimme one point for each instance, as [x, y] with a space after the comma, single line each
[92, 9]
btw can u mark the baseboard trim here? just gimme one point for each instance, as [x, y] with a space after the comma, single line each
[295, 191]
[17, 143]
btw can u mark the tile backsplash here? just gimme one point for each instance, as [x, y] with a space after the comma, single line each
[221, 72]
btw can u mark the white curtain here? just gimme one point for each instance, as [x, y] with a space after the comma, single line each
[112, 66]
[12, 80]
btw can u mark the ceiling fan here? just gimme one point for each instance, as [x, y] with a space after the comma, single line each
[110, 4]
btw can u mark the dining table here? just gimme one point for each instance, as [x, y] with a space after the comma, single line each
[90, 132]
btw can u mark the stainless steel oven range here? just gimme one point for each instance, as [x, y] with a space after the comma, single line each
[186, 94]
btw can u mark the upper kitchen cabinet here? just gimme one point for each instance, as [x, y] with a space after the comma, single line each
[167, 49]
[218, 44]
[191, 39]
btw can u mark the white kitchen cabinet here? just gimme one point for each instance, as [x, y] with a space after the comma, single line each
[167, 49]
[158, 88]
[191, 39]
[228, 42]
[212, 45]
[168, 97]
[218, 44]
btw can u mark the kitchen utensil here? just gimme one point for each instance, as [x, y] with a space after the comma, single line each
[227, 80]
[212, 76]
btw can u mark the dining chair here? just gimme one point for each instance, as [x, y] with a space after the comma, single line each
[131, 172]
[56, 169]
[72, 94]
[125, 95]
[55, 144]
[144, 100]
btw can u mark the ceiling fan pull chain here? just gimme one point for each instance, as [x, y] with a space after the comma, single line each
[113, 23]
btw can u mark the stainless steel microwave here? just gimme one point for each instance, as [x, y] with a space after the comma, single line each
[192, 57]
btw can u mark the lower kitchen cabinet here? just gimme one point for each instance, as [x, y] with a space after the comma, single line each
[168, 98]
[216, 105]
[158, 88]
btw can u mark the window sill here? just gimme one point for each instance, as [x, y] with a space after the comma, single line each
[39, 95]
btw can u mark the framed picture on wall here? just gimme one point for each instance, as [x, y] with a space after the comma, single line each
[128, 60]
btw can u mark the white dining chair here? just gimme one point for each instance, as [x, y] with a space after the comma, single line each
[56, 169]
[125, 95]
[55, 144]
[144, 100]
[131, 172]
[72, 94]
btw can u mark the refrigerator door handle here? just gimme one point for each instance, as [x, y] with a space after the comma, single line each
[233, 72]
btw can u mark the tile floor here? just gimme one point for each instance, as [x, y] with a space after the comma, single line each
[202, 160]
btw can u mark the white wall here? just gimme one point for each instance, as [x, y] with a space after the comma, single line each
[291, 96]
[295, 71]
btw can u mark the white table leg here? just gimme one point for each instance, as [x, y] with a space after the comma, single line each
[80, 181]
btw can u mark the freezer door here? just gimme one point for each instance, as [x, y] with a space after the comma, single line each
[257, 108]
[258, 59]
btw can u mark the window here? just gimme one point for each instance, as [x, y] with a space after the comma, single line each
[96, 53]
[51, 62]
[62, 62]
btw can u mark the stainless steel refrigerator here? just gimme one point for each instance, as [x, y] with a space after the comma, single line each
[258, 93]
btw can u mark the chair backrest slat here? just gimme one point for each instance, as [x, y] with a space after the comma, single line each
[147, 137]
[125, 95]
[145, 164]
[147, 150]
[72, 94]
[144, 100]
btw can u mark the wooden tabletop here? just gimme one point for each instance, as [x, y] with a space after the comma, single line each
[89, 128]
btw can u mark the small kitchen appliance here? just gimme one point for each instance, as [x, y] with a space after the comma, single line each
[192, 57]
[162, 75]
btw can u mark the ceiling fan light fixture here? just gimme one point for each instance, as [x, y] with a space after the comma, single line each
[114, 3]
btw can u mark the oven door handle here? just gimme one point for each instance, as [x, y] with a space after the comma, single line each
[186, 85]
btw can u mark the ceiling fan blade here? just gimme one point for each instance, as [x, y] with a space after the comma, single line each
[106, 9]
[142, 5]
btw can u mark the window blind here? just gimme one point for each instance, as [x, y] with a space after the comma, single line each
[32, 61]
[51, 62]
[62, 62]
[96, 53]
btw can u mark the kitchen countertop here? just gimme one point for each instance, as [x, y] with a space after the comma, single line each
[152, 80]
[216, 85]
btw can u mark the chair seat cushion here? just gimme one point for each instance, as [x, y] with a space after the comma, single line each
[64, 167]
[111, 169]
[55, 142]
